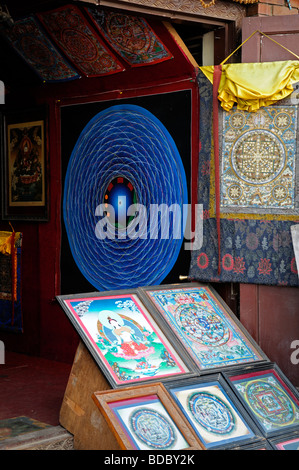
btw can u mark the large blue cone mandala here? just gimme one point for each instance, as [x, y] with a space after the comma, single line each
[125, 156]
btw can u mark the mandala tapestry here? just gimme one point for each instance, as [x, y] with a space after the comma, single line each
[84, 48]
[10, 281]
[37, 50]
[249, 240]
[131, 37]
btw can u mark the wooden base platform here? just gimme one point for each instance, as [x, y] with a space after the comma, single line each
[79, 414]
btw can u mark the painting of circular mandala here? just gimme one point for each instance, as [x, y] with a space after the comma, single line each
[125, 169]
[211, 413]
[270, 403]
[153, 429]
[258, 153]
[202, 325]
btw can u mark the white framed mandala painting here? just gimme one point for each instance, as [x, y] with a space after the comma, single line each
[144, 418]
[214, 412]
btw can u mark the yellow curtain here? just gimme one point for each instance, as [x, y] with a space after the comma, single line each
[252, 85]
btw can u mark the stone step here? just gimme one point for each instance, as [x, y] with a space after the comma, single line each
[50, 438]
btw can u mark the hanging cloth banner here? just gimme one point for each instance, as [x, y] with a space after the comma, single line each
[248, 173]
[10, 281]
[253, 85]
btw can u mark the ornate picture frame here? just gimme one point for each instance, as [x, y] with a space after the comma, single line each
[129, 343]
[145, 418]
[24, 165]
[205, 325]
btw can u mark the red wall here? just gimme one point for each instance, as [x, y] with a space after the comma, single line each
[47, 331]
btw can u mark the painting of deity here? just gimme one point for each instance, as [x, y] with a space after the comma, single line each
[124, 338]
[269, 397]
[144, 418]
[210, 332]
[25, 192]
[213, 411]
[26, 164]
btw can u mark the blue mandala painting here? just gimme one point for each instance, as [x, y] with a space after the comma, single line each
[124, 199]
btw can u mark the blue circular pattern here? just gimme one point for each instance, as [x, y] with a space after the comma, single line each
[153, 429]
[211, 413]
[124, 141]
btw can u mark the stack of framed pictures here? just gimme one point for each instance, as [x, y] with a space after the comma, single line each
[180, 363]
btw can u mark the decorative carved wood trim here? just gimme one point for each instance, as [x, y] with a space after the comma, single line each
[190, 10]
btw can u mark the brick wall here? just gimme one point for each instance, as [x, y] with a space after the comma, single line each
[273, 8]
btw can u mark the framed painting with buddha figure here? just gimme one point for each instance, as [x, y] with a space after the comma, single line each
[129, 344]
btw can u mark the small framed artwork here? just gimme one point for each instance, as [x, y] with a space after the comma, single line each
[24, 165]
[145, 418]
[125, 339]
[204, 324]
[285, 442]
[268, 396]
[213, 411]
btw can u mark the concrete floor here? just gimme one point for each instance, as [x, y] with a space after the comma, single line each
[32, 387]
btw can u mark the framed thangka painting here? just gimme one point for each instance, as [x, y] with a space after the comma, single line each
[125, 339]
[145, 418]
[269, 397]
[24, 166]
[204, 324]
[213, 411]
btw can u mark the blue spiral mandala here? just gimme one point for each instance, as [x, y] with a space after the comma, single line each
[124, 155]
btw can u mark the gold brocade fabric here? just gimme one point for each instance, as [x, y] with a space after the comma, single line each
[5, 243]
[253, 85]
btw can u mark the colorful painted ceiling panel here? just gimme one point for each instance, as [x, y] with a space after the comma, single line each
[131, 37]
[84, 48]
[38, 51]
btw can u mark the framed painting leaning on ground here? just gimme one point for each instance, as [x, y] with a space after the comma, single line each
[24, 165]
[145, 418]
[204, 324]
[268, 396]
[130, 345]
